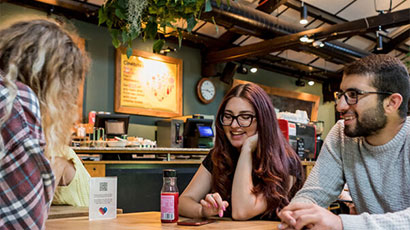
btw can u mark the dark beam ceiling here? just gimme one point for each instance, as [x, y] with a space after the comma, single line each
[265, 47]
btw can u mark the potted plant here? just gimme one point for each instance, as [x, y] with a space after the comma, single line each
[128, 19]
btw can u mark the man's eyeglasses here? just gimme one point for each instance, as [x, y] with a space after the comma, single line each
[243, 120]
[352, 95]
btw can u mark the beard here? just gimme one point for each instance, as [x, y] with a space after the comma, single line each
[370, 122]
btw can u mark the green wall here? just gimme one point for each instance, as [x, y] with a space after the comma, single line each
[99, 85]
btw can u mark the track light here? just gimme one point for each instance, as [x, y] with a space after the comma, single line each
[318, 44]
[306, 39]
[379, 39]
[253, 70]
[167, 50]
[303, 14]
[242, 69]
[300, 83]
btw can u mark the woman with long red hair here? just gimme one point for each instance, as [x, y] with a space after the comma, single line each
[252, 171]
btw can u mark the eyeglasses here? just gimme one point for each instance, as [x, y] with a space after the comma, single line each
[243, 120]
[352, 95]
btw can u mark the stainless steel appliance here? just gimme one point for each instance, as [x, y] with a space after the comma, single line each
[170, 133]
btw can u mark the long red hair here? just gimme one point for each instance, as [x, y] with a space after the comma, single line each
[274, 161]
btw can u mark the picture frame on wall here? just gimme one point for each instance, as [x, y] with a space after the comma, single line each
[290, 101]
[147, 84]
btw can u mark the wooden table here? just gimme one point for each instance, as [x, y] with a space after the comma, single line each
[151, 221]
[65, 211]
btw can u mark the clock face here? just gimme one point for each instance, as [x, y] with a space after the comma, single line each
[206, 90]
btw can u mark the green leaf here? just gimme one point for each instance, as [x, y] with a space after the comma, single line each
[120, 14]
[102, 17]
[125, 37]
[158, 44]
[114, 35]
[123, 3]
[151, 30]
[191, 23]
[208, 6]
[129, 52]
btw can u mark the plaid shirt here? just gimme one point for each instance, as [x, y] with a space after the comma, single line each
[26, 179]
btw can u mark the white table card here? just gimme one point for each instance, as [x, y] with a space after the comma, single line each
[103, 198]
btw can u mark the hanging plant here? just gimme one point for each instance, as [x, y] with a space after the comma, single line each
[128, 19]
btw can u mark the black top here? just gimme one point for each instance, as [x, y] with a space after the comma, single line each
[207, 163]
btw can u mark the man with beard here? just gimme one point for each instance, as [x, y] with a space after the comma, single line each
[369, 150]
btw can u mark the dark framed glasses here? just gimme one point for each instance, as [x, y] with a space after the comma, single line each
[243, 120]
[352, 95]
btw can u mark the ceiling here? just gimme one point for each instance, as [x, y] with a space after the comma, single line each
[266, 33]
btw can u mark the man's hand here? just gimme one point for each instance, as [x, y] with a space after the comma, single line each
[300, 215]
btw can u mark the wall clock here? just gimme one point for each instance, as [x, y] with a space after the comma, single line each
[206, 90]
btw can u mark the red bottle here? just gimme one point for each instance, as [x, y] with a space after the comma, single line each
[169, 197]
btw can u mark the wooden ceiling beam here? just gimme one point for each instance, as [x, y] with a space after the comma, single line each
[261, 48]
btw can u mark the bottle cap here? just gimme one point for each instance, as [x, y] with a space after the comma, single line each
[169, 173]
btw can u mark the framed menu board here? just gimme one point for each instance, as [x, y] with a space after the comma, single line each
[148, 84]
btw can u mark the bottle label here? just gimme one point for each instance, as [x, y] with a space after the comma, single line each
[167, 207]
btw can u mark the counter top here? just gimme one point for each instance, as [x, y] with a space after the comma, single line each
[158, 150]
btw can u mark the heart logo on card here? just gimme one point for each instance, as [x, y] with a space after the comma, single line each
[103, 210]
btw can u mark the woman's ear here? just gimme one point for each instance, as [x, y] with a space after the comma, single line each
[392, 103]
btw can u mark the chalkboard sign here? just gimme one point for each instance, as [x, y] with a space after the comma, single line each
[290, 101]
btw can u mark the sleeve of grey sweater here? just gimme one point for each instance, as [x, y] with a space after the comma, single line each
[386, 221]
[325, 182]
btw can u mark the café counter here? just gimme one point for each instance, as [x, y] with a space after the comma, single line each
[140, 179]
[151, 220]
[141, 156]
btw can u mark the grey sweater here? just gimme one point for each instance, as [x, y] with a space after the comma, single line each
[378, 178]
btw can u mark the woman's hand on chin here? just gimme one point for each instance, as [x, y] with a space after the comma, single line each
[250, 143]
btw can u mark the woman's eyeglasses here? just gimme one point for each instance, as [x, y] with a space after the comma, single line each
[352, 95]
[243, 120]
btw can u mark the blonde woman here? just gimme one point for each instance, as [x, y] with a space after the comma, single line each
[40, 70]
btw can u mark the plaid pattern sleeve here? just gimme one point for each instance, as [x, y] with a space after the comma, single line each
[26, 179]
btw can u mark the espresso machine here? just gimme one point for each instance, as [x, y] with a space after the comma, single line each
[320, 125]
[169, 133]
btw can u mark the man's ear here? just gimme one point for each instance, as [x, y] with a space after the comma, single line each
[392, 103]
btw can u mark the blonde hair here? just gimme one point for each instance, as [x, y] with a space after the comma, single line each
[42, 54]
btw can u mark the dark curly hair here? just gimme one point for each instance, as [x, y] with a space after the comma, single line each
[273, 161]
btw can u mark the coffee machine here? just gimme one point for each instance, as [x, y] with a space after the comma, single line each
[198, 133]
[302, 138]
[170, 133]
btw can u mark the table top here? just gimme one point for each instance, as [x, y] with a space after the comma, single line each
[65, 211]
[151, 221]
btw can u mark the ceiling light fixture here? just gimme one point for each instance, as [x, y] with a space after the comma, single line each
[300, 83]
[379, 39]
[318, 44]
[303, 14]
[167, 50]
[242, 69]
[311, 83]
[306, 39]
[253, 70]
